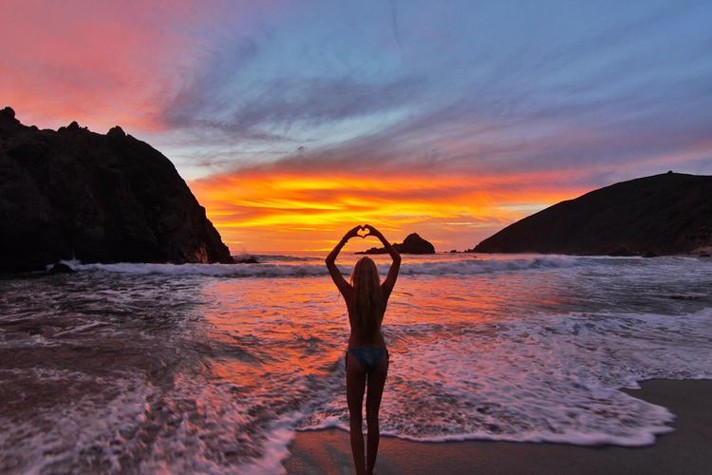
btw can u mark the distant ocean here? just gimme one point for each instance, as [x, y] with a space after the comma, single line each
[212, 368]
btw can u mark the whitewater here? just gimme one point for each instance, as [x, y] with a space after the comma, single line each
[157, 368]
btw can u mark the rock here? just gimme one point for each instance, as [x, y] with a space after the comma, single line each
[116, 132]
[8, 112]
[96, 198]
[247, 259]
[704, 251]
[412, 244]
[8, 122]
[658, 215]
[61, 268]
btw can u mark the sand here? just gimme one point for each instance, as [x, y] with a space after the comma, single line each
[687, 450]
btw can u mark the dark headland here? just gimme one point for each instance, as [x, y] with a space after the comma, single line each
[657, 215]
[73, 193]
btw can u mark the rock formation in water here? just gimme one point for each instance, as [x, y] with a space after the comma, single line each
[412, 244]
[72, 193]
[658, 215]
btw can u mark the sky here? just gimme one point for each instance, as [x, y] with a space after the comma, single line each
[293, 121]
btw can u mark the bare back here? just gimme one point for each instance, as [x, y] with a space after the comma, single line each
[358, 337]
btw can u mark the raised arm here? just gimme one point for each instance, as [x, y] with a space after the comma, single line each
[392, 276]
[334, 271]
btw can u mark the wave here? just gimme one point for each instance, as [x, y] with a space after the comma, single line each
[549, 378]
[477, 266]
[216, 270]
[285, 258]
[293, 266]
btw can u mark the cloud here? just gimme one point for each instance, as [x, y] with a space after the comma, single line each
[283, 104]
[280, 108]
[308, 114]
[100, 63]
[612, 94]
[315, 204]
[95, 63]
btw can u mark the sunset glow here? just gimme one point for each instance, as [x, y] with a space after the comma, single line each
[293, 121]
[262, 211]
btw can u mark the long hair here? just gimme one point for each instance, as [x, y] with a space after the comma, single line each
[368, 305]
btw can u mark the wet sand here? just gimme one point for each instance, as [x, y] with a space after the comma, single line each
[687, 450]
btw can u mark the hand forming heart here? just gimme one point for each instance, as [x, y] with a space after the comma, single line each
[363, 232]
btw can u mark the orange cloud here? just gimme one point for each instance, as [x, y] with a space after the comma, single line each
[262, 210]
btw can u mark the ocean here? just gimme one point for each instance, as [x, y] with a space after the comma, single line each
[158, 368]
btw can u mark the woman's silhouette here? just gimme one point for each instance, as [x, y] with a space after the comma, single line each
[366, 356]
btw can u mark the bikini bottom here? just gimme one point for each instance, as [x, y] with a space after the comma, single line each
[369, 358]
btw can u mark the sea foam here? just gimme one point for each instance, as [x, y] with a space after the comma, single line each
[546, 379]
[277, 266]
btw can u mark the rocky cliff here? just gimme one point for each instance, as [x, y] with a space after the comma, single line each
[72, 193]
[662, 214]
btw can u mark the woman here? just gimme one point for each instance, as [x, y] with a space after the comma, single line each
[367, 356]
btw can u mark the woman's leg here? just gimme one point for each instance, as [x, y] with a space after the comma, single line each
[376, 381]
[355, 385]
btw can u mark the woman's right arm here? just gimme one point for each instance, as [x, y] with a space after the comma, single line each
[392, 276]
[334, 271]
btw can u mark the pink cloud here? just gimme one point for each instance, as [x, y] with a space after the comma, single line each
[101, 63]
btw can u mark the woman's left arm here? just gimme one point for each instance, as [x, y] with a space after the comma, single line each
[390, 280]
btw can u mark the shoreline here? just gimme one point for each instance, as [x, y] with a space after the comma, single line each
[687, 449]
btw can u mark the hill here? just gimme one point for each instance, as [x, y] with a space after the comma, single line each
[73, 193]
[657, 215]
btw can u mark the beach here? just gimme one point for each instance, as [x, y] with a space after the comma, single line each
[687, 450]
[499, 211]
[498, 364]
